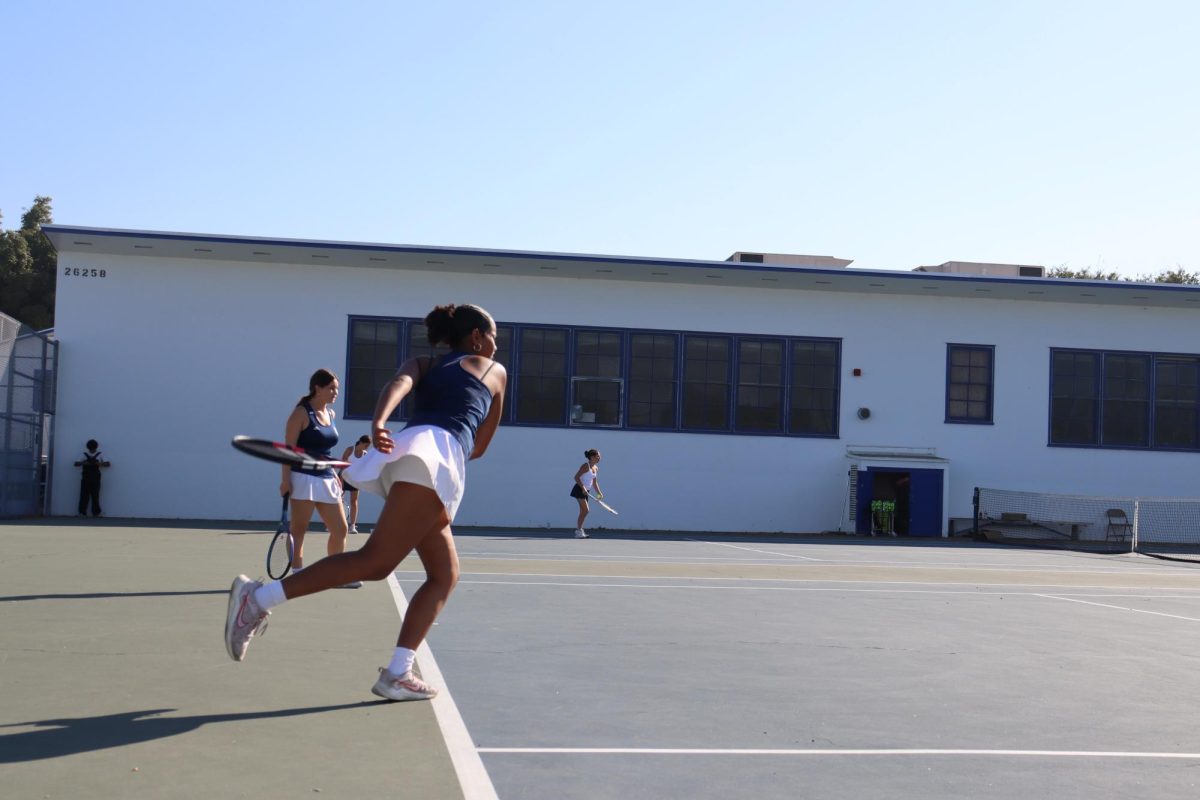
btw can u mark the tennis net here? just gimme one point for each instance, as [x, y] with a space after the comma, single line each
[1165, 527]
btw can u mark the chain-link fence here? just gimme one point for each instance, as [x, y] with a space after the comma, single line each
[28, 367]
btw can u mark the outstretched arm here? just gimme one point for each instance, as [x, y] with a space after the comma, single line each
[393, 392]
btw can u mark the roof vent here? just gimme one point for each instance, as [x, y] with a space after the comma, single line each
[791, 260]
[982, 268]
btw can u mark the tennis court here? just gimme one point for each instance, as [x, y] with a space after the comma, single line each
[613, 667]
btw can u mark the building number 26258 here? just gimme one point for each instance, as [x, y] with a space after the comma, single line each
[84, 272]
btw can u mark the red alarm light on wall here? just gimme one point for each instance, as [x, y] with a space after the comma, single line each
[857, 372]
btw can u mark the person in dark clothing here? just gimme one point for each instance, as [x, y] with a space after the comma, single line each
[89, 488]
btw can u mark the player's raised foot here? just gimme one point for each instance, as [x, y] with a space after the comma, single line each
[580, 533]
[402, 687]
[243, 619]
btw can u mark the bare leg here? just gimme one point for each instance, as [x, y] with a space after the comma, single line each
[410, 514]
[583, 512]
[353, 509]
[334, 517]
[440, 560]
[301, 513]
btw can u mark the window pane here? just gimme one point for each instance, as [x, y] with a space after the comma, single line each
[706, 383]
[373, 359]
[595, 402]
[1126, 401]
[597, 354]
[541, 376]
[969, 376]
[652, 382]
[1176, 406]
[813, 391]
[1074, 404]
[760, 385]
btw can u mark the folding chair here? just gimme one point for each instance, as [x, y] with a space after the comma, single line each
[1118, 529]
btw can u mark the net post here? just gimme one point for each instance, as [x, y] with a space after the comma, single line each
[1133, 534]
[975, 513]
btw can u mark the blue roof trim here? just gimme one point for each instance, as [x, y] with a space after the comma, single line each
[535, 255]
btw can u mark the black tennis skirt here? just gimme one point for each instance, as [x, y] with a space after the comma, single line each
[577, 492]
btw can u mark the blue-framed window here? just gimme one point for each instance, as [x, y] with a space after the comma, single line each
[629, 379]
[813, 387]
[970, 375]
[1125, 402]
[597, 380]
[652, 381]
[1177, 402]
[1074, 397]
[760, 385]
[706, 366]
[374, 350]
[541, 358]
[1124, 399]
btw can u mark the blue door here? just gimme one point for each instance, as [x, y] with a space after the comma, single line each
[866, 493]
[917, 494]
[925, 503]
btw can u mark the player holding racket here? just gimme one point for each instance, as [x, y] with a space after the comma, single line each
[421, 473]
[311, 427]
[349, 490]
[585, 479]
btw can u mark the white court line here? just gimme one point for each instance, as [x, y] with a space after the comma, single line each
[1118, 608]
[754, 550]
[793, 580]
[839, 562]
[671, 751]
[472, 776]
[1061, 595]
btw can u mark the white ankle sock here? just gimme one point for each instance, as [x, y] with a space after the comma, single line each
[269, 595]
[402, 661]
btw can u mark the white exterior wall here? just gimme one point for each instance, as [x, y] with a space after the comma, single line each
[164, 360]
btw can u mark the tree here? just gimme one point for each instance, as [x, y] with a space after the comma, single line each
[1084, 274]
[28, 266]
[1176, 275]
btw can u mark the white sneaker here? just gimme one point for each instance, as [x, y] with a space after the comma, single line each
[579, 534]
[354, 529]
[351, 585]
[243, 618]
[402, 687]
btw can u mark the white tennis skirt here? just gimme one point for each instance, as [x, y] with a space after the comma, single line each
[425, 455]
[316, 489]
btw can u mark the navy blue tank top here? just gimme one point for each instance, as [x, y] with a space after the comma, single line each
[453, 399]
[318, 441]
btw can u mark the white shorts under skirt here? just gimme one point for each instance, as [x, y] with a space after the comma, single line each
[318, 490]
[425, 455]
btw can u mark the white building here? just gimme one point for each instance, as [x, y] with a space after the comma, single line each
[724, 395]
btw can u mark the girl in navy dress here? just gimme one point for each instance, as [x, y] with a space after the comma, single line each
[421, 473]
[311, 427]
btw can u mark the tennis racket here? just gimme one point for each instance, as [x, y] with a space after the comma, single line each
[282, 453]
[282, 549]
[602, 504]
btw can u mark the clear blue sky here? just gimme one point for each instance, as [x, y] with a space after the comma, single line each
[893, 133]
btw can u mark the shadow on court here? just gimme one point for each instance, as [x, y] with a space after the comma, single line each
[72, 735]
[106, 595]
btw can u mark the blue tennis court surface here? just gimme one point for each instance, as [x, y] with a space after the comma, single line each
[624, 668]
